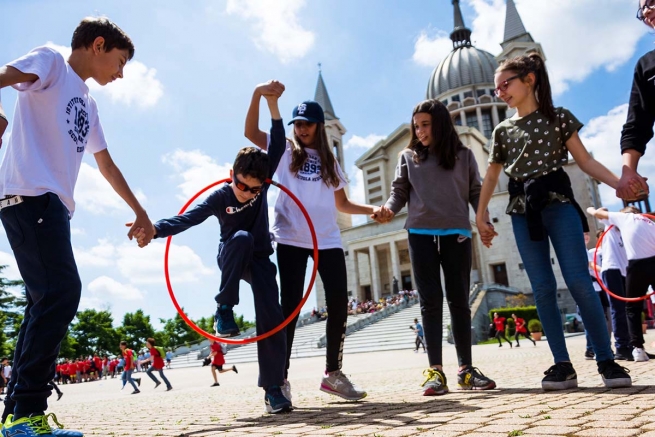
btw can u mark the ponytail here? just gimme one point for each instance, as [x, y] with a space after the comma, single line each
[533, 63]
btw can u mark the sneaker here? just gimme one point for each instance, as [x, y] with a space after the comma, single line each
[234, 369]
[138, 381]
[59, 395]
[560, 377]
[224, 324]
[639, 354]
[157, 384]
[286, 389]
[589, 355]
[275, 401]
[36, 426]
[338, 384]
[435, 383]
[472, 379]
[623, 355]
[169, 388]
[216, 384]
[136, 392]
[518, 345]
[614, 375]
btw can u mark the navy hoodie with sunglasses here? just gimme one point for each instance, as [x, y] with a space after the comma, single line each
[233, 215]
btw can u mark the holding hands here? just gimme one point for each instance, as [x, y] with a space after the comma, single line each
[632, 186]
[143, 234]
[382, 214]
[271, 90]
[485, 229]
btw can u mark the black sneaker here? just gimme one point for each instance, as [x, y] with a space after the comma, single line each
[275, 401]
[138, 381]
[234, 369]
[435, 382]
[560, 377]
[623, 355]
[472, 379]
[614, 375]
[216, 384]
[589, 355]
[224, 324]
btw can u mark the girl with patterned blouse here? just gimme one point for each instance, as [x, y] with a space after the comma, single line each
[532, 147]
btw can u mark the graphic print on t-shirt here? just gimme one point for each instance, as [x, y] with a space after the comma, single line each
[78, 119]
[311, 169]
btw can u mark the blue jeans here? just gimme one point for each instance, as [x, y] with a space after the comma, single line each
[562, 226]
[161, 374]
[127, 377]
[38, 231]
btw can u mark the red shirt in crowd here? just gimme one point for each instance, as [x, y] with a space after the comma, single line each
[219, 358]
[72, 368]
[157, 360]
[128, 354]
[500, 323]
[520, 325]
[98, 362]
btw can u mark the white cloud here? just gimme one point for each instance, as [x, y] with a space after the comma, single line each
[101, 255]
[613, 31]
[78, 231]
[145, 266]
[431, 47]
[276, 26]
[109, 288]
[94, 194]
[364, 142]
[602, 136]
[138, 85]
[196, 169]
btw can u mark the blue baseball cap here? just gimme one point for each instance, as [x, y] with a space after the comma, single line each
[310, 111]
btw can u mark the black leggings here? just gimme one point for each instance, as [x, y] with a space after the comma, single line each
[292, 264]
[640, 274]
[501, 334]
[429, 255]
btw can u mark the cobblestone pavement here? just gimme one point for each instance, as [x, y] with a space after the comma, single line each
[394, 406]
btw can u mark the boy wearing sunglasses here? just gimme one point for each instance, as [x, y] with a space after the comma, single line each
[243, 253]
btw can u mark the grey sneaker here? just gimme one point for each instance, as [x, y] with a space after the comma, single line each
[286, 390]
[338, 384]
[435, 383]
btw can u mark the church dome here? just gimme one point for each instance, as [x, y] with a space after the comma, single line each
[464, 66]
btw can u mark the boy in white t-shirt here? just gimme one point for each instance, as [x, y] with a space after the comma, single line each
[638, 233]
[55, 122]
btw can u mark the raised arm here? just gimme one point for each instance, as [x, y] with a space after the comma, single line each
[252, 131]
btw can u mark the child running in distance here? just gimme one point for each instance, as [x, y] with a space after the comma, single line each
[438, 178]
[309, 169]
[533, 147]
[638, 233]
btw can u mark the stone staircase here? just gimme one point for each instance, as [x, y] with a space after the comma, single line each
[366, 333]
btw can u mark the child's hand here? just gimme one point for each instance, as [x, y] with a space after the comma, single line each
[486, 231]
[632, 186]
[272, 89]
[382, 214]
[142, 237]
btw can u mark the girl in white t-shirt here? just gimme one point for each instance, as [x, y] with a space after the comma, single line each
[638, 232]
[309, 169]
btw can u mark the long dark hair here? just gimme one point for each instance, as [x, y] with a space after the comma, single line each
[328, 162]
[445, 141]
[533, 63]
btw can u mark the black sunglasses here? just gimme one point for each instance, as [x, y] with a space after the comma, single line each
[243, 187]
[648, 4]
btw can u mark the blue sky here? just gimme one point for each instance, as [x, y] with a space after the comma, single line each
[175, 123]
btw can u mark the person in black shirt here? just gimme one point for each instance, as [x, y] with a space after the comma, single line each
[243, 254]
[638, 128]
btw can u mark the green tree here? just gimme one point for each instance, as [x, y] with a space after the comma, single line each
[176, 332]
[136, 329]
[93, 332]
[68, 347]
[12, 307]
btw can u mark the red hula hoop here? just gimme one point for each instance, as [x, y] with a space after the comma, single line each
[600, 281]
[288, 319]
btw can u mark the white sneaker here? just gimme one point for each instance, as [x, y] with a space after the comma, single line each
[286, 390]
[639, 354]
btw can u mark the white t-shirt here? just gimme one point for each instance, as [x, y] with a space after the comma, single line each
[6, 371]
[614, 256]
[590, 258]
[638, 234]
[290, 226]
[55, 121]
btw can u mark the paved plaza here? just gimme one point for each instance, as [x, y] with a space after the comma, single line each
[394, 406]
